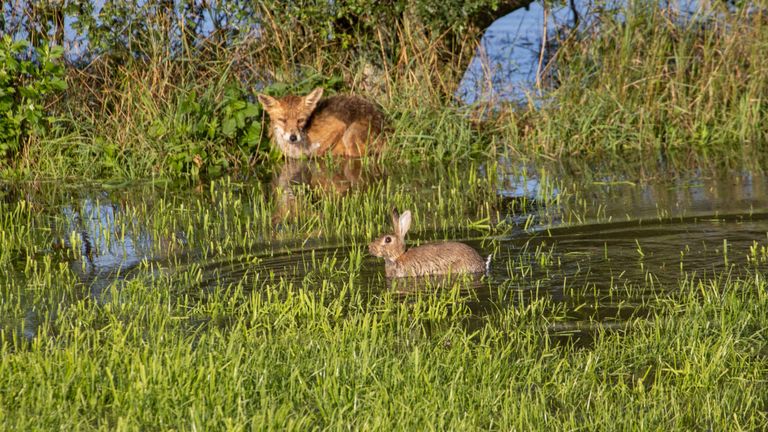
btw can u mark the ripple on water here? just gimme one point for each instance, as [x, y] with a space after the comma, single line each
[600, 252]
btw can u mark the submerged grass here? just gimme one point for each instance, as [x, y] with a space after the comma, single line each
[210, 331]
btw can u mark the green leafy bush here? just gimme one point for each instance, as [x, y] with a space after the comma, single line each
[174, 27]
[27, 77]
[201, 127]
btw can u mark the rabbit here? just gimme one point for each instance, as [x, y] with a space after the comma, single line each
[428, 259]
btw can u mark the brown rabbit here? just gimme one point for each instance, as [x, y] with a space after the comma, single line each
[428, 259]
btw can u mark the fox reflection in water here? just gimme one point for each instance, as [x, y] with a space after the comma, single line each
[321, 178]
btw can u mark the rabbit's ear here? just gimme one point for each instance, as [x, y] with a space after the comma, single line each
[404, 224]
[396, 221]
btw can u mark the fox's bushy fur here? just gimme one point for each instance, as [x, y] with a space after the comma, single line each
[305, 126]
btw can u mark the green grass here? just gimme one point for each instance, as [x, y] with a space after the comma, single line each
[156, 353]
[253, 304]
[210, 333]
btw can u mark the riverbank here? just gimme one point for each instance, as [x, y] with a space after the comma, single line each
[646, 90]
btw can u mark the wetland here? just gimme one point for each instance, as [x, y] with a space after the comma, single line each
[151, 292]
[163, 267]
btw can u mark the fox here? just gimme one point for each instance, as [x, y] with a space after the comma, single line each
[308, 126]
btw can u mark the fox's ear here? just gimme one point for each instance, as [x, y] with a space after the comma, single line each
[314, 97]
[268, 102]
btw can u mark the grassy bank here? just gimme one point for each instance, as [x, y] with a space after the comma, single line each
[651, 89]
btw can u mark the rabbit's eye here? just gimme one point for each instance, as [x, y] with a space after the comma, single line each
[387, 239]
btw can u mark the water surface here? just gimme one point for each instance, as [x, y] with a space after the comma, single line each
[601, 248]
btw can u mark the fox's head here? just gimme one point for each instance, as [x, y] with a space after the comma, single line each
[289, 116]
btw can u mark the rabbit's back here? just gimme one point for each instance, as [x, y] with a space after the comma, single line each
[437, 258]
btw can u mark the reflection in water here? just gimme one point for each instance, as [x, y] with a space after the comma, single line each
[600, 248]
[322, 177]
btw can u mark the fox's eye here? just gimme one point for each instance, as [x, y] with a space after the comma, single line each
[302, 120]
[387, 239]
[281, 120]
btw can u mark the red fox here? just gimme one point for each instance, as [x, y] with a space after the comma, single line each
[345, 125]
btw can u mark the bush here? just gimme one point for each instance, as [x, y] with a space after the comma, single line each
[27, 77]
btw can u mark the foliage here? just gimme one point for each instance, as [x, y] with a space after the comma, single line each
[125, 30]
[208, 132]
[200, 128]
[27, 78]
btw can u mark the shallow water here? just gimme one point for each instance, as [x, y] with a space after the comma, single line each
[599, 247]
[514, 55]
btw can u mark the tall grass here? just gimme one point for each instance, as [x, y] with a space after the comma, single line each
[644, 86]
[655, 86]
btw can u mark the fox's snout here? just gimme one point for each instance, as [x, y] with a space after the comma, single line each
[293, 135]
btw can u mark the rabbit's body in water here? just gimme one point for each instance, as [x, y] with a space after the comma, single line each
[428, 259]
